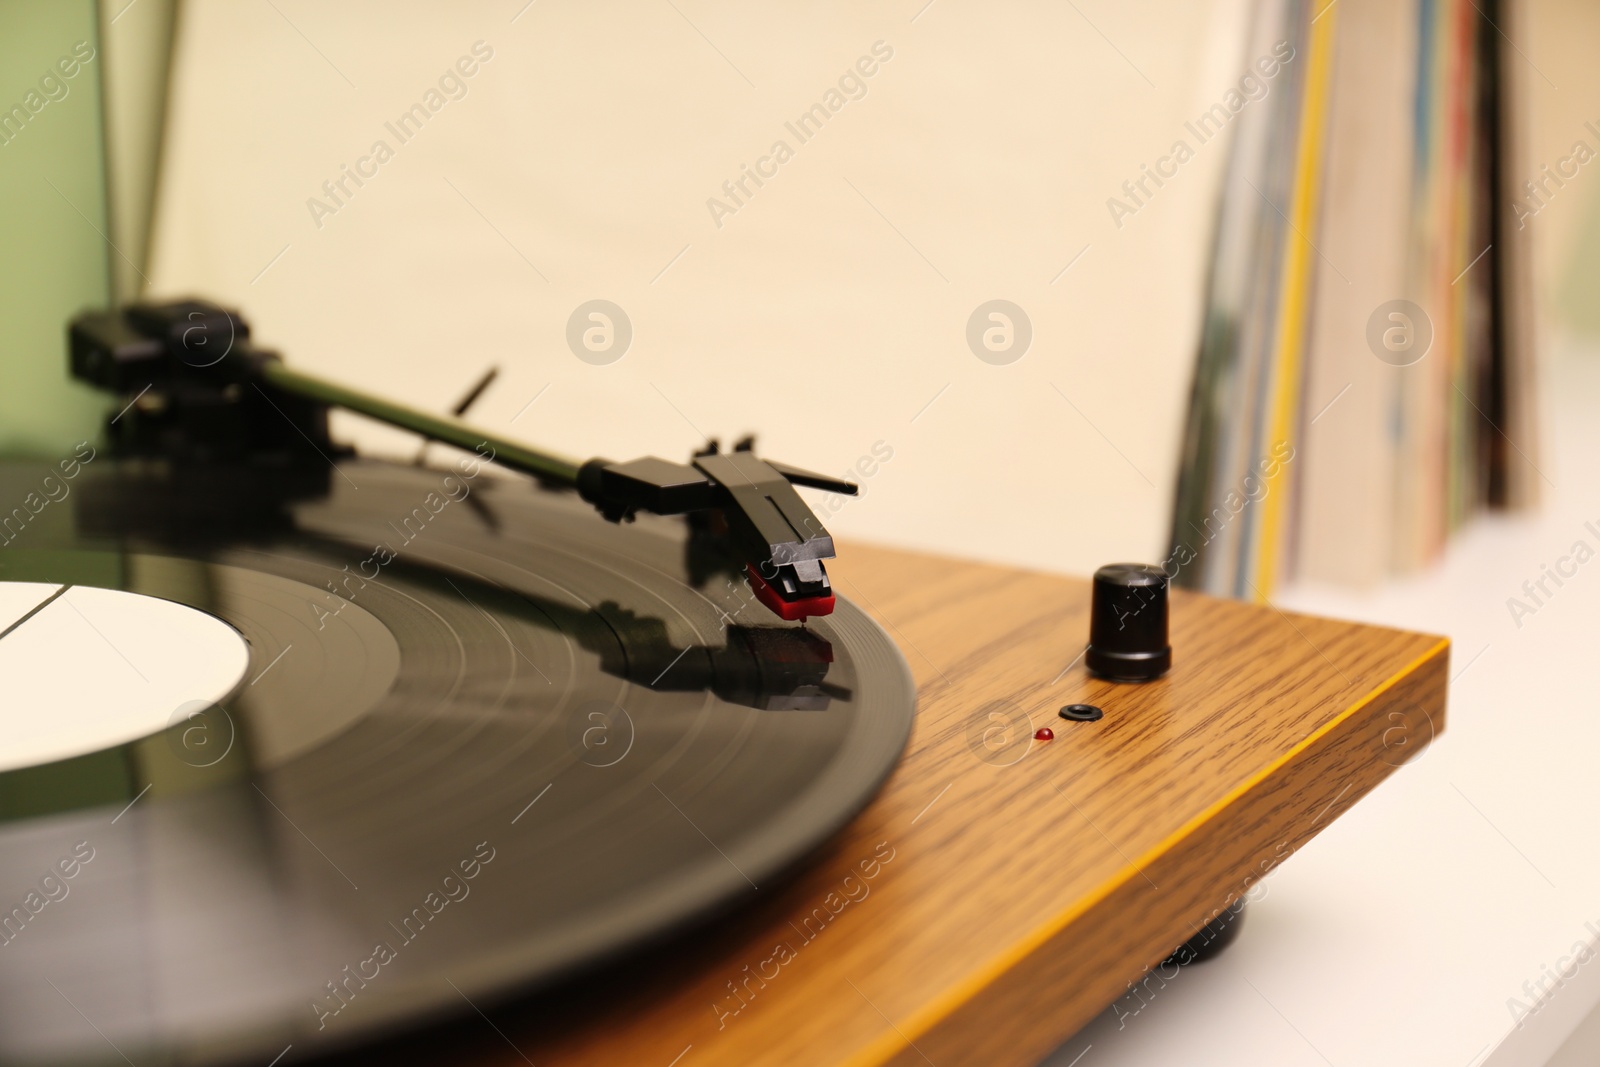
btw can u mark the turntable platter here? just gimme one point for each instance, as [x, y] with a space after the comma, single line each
[483, 739]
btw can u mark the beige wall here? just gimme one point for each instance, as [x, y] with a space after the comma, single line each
[826, 313]
[1563, 77]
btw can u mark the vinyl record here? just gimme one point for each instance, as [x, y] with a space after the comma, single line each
[473, 739]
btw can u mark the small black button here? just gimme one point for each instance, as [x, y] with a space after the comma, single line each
[1081, 713]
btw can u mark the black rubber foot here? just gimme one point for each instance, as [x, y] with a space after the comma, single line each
[1215, 936]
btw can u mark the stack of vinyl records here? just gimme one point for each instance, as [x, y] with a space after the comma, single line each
[1364, 383]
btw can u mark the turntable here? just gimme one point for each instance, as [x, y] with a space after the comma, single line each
[320, 756]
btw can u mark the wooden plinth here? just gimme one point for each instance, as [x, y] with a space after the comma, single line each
[1002, 891]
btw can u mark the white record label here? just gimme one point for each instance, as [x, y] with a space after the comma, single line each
[84, 669]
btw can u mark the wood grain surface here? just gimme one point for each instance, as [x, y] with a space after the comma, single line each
[1001, 891]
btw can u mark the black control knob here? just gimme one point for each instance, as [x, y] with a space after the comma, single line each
[1128, 623]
